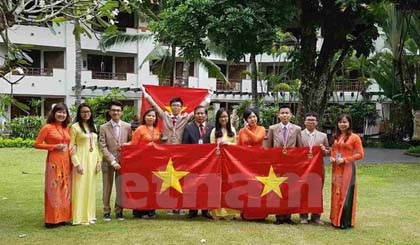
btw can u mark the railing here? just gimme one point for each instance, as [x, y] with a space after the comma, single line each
[234, 85]
[179, 82]
[349, 85]
[30, 71]
[108, 75]
[32, 23]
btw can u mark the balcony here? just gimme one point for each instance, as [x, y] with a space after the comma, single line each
[46, 72]
[108, 75]
[349, 85]
[234, 85]
[177, 83]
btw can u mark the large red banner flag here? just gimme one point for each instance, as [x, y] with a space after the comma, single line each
[170, 177]
[191, 97]
[270, 181]
[257, 182]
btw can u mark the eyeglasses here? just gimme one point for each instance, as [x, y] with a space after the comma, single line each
[85, 112]
[176, 105]
[116, 110]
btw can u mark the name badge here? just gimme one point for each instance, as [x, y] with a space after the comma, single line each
[338, 155]
[200, 141]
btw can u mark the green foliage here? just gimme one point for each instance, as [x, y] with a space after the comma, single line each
[363, 114]
[100, 107]
[130, 114]
[184, 24]
[16, 143]
[414, 150]
[26, 127]
[267, 113]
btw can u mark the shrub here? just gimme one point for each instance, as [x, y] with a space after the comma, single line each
[414, 150]
[26, 127]
[16, 142]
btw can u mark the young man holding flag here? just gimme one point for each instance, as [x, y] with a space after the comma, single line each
[174, 121]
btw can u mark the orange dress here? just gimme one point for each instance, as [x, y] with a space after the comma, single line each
[343, 192]
[252, 136]
[143, 135]
[57, 173]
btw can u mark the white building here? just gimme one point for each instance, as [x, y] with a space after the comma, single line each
[51, 77]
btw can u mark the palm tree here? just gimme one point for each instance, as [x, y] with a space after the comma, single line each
[162, 55]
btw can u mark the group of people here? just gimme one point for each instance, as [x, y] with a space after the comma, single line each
[78, 152]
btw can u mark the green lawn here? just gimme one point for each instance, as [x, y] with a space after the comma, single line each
[388, 213]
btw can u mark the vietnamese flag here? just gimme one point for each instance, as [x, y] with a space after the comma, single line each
[191, 97]
[170, 177]
[259, 182]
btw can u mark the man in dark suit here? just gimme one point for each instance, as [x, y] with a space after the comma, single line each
[198, 132]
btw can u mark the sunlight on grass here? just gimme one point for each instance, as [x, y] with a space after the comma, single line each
[388, 212]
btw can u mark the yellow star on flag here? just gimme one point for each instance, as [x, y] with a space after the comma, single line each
[169, 109]
[271, 183]
[170, 177]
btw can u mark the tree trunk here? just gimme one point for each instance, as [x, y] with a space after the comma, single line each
[173, 65]
[308, 89]
[185, 73]
[254, 79]
[78, 72]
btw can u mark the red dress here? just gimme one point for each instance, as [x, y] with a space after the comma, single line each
[57, 173]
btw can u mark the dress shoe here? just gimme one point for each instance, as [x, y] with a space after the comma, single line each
[284, 221]
[51, 226]
[119, 216]
[107, 217]
[317, 221]
[207, 215]
[192, 215]
[304, 221]
[289, 221]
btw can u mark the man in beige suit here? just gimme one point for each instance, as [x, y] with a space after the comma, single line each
[284, 135]
[112, 136]
[310, 138]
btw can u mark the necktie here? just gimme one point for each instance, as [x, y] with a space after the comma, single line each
[202, 132]
[174, 120]
[284, 136]
[117, 132]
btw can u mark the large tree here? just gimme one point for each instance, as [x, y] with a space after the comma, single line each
[341, 26]
[240, 28]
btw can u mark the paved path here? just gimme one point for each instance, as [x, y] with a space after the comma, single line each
[378, 155]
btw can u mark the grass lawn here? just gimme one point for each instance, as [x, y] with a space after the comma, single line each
[388, 213]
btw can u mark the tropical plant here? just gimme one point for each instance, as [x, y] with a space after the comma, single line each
[26, 127]
[16, 143]
[394, 68]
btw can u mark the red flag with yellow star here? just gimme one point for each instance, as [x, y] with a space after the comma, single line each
[259, 182]
[170, 177]
[191, 97]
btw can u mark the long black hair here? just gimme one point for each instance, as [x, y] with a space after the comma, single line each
[338, 131]
[90, 122]
[218, 127]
